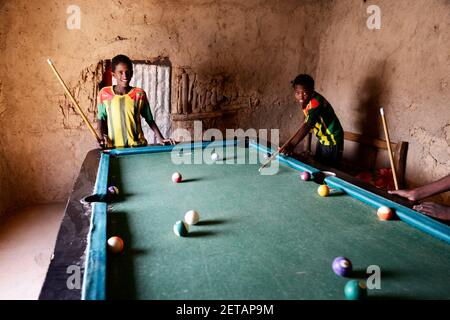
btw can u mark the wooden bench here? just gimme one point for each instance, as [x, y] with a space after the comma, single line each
[399, 151]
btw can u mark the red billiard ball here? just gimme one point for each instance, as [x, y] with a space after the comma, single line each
[176, 177]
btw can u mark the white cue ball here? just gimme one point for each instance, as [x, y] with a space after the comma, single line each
[214, 156]
[191, 217]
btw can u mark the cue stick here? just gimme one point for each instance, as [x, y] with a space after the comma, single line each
[391, 158]
[278, 151]
[91, 128]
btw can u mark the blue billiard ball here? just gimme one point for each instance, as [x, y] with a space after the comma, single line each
[355, 290]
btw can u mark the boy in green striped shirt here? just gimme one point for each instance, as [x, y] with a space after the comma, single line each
[319, 117]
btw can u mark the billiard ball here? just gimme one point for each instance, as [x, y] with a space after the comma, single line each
[342, 266]
[355, 290]
[305, 176]
[180, 228]
[113, 190]
[214, 156]
[384, 213]
[115, 244]
[323, 190]
[176, 177]
[191, 217]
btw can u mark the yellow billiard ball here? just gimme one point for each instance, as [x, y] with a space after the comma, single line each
[323, 190]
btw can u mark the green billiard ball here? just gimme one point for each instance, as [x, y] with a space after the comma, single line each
[355, 290]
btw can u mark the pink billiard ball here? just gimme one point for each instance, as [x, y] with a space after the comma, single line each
[305, 176]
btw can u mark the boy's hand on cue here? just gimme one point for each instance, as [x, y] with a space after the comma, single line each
[103, 143]
[165, 142]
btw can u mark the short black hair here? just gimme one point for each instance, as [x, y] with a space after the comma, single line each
[121, 59]
[304, 80]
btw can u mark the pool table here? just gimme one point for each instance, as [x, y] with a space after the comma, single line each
[260, 236]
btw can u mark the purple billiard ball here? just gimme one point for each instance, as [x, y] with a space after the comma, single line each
[113, 190]
[306, 176]
[342, 266]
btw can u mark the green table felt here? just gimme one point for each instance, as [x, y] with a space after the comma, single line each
[259, 237]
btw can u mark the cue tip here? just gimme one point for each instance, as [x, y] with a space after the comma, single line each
[382, 111]
[49, 61]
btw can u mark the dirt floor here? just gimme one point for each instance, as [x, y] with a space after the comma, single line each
[27, 239]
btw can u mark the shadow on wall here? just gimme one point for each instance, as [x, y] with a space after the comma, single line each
[256, 66]
[7, 200]
[371, 93]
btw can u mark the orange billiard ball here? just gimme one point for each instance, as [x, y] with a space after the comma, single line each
[115, 244]
[384, 213]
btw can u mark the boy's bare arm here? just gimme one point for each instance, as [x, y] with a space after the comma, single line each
[301, 134]
[429, 208]
[103, 129]
[428, 190]
[305, 129]
[434, 210]
[159, 136]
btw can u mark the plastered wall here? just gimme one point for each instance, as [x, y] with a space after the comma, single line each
[257, 46]
[403, 67]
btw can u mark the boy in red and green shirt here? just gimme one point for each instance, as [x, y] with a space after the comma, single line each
[319, 117]
[121, 107]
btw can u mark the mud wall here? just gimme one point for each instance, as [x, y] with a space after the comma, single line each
[255, 47]
[404, 67]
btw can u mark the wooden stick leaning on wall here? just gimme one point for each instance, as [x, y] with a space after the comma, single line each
[388, 142]
[91, 128]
